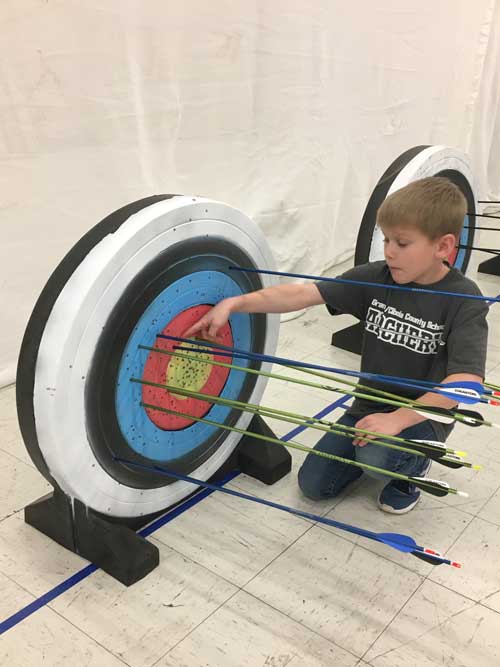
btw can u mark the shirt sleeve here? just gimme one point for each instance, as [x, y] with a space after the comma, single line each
[348, 298]
[468, 340]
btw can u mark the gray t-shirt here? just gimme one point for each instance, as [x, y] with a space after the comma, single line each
[412, 335]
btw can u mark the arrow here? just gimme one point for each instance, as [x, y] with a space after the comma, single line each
[486, 215]
[346, 281]
[435, 487]
[402, 543]
[491, 251]
[440, 414]
[445, 416]
[466, 391]
[434, 450]
[482, 229]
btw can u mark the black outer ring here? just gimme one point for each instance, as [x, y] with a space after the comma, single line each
[25, 375]
[103, 430]
[464, 185]
[365, 234]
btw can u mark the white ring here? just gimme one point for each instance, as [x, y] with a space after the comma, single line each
[76, 322]
[428, 162]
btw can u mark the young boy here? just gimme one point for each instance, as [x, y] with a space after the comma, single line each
[423, 336]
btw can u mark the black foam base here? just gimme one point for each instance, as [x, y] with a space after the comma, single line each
[490, 266]
[111, 545]
[350, 338]
[266, 461]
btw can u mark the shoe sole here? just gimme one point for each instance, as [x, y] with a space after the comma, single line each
[393, 510]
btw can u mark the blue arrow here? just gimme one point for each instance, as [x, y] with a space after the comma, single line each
[402, 543]
[346, 281]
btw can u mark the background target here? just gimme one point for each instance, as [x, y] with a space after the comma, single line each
[415, 163]
[152, 266]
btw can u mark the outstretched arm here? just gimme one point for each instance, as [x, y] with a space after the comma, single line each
[278, 299]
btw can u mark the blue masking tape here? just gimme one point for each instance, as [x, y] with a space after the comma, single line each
[40, 602]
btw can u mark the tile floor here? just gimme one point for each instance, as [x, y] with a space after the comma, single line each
[243, 584]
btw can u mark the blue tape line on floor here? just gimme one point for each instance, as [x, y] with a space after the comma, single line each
[40, 602]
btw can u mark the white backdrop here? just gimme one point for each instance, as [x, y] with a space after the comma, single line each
[287, 109]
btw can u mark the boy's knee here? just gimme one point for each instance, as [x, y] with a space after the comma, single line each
[310, 489]
[376, 456]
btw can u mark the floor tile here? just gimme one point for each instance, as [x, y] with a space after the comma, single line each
[32, 559]
[141, 623]
[345, 593]
[300, 337]
[479, 484]
[431, 524]
[44, 638]
[491, 511]
[20, 484]
[247, 632]
[232, 537]
[479, 443]
[492, 601]
[10, 436]
[477, 549]
[439, 627]
[286, 491]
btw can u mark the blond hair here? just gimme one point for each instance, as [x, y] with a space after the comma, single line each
[435, 206]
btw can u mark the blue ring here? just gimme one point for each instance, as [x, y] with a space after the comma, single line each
[144, 437]
[464, 238]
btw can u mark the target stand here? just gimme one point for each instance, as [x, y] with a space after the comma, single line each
[413, 164]
[490, 266]
[153, 267]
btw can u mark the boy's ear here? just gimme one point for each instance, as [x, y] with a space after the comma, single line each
[446, 245]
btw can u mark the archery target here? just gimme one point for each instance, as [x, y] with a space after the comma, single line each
[415, 163]
[154, 266]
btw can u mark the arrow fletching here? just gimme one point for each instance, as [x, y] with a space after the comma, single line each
[403, 543]
[435, 486]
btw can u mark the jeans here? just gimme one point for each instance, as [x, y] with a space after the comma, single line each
[325, 478]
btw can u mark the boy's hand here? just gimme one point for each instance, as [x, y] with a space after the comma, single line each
[389, 423]
[210, 324]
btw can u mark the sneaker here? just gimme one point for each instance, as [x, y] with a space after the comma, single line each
[398, 497]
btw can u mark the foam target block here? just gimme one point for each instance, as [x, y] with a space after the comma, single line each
[153, 266]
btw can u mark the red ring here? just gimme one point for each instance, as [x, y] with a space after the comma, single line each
[156, 366]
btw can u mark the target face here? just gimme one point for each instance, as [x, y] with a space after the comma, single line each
[415, 163]
[153, 267]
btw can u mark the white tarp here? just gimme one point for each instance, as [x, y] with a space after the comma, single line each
[287, 109]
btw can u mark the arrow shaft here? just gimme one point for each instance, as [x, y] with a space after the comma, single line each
[425, 485]
[245, 496]
[439, 414]
[396, 541]
[291, 417]
[418, 448]
[449, 390]
[346, 281]
[491, 251]
[401, 403]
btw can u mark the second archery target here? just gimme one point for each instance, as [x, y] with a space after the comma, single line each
[415, 163]
[153, 267]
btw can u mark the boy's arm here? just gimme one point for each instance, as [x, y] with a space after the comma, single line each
[276, 299]
[392, 423]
